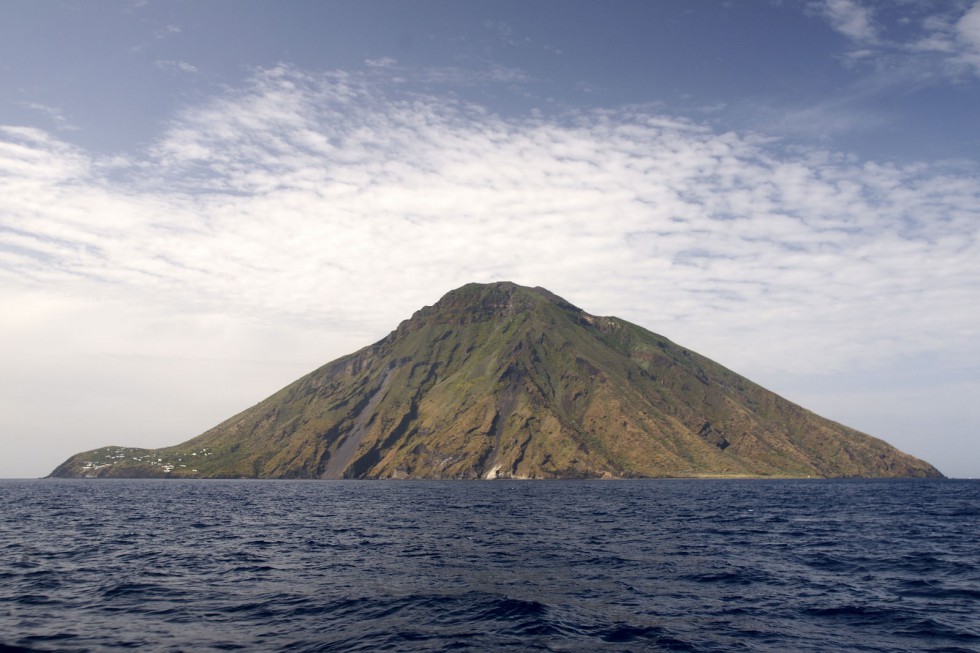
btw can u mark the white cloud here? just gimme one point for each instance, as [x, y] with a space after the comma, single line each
[849, 18]
[327, 208]
[383, 62]
[33, 157]
[490, 73]
[166, 31]
[943, 44]
[968, 35]
[56, 115]
[502, 34]
[300, 183]
[951, 37]
[175, 66]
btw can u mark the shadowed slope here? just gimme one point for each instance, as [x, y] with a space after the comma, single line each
[502, 381]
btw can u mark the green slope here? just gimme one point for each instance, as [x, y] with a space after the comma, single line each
[502, 381]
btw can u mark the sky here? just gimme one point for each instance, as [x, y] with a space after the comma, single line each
[202, 201]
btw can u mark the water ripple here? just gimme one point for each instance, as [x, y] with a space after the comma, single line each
[504, 566]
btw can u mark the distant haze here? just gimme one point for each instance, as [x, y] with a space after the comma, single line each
[200, 203]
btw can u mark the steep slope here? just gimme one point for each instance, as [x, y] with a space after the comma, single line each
[502, 381]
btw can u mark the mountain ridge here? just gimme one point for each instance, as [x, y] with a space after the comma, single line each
[504, 381]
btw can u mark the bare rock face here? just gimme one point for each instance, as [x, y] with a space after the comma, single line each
[502, 381]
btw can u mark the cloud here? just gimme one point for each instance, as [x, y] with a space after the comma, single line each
[56, 115]
[302, 194]
[953, 37]
[175, 66]
[329, 206]
[31, 157]
[935, 42]
[167, 31]
[503, 34]
[849, 18]
[383, 62]
[896, 56]
[820, 120]
[485, 75]
[968, 35]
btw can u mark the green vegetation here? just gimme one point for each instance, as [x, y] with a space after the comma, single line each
[502, 381]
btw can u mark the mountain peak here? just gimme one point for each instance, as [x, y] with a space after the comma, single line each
[479, 302]
[502, 292]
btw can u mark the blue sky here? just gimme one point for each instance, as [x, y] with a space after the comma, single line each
[202, 201]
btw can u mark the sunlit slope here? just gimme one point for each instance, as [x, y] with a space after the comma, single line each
[503, 381]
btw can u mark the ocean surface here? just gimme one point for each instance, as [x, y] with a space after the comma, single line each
[671, 565]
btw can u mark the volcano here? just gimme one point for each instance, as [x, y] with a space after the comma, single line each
[504, 381]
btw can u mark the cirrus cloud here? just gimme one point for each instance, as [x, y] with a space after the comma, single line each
[301, 193]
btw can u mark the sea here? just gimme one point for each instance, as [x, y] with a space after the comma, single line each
[658, 565]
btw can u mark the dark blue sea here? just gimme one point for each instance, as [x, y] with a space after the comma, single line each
[672, 565]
